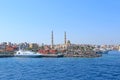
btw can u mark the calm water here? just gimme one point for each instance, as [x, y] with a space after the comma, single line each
[104, 68]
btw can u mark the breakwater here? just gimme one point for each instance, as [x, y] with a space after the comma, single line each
[87, 54]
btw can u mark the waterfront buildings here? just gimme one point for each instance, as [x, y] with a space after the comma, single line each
[66, 46]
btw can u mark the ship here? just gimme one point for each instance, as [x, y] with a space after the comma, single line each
[23, 53]
[102, 51]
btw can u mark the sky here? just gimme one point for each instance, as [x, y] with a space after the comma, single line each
[85, 21]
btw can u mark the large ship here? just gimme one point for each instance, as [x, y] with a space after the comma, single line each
[23, 53]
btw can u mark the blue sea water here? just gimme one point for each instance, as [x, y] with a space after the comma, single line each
[106, 67]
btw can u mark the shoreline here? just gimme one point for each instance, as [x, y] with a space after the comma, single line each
[80, 55]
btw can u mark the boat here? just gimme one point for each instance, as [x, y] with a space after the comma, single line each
[23, 53]
[102, 52]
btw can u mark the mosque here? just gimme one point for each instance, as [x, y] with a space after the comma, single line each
[64, 46]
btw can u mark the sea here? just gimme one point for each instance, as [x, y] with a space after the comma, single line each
[106, 67]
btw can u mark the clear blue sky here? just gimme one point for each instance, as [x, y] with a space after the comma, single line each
[85, 21]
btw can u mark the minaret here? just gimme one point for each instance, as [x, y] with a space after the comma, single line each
[65, 42]
[52, 41]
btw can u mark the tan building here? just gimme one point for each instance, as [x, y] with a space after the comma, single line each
[33, 45]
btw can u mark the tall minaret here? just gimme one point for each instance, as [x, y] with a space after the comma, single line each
[65, 42]
[52, 41]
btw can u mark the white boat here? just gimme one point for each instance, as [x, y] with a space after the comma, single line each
[22, 53]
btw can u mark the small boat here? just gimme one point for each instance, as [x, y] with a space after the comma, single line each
[102, 52]
[22, 53]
